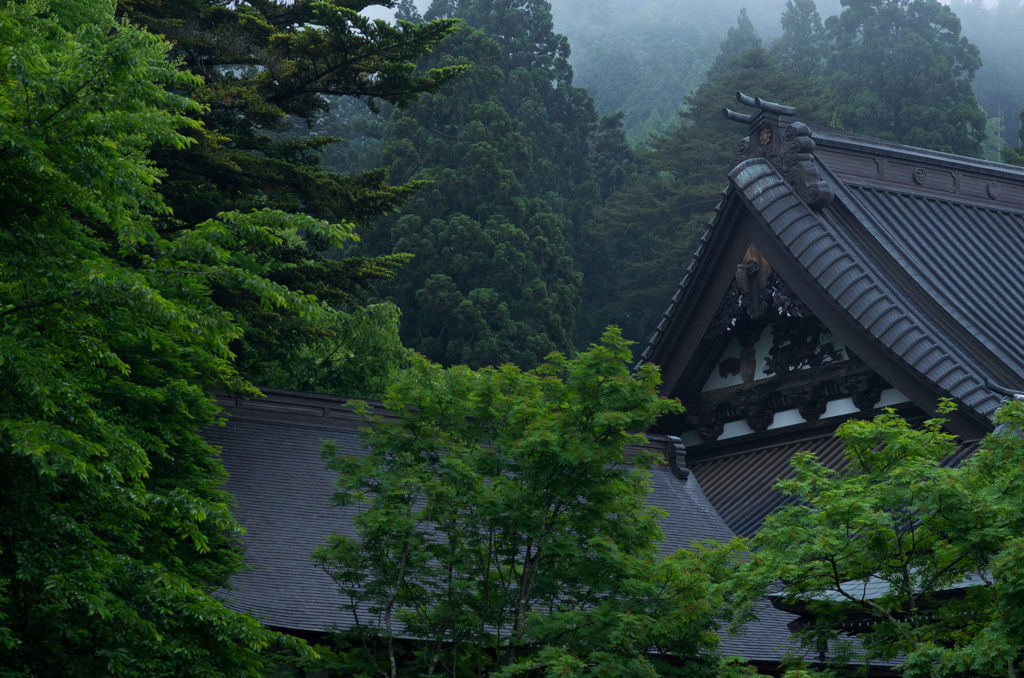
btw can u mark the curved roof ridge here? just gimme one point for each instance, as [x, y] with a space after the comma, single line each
[685, 282]
[862, 292]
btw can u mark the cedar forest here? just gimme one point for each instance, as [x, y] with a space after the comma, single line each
[450, 206]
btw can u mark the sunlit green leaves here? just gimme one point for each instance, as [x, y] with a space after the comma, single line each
[113, 525]
[503, 499]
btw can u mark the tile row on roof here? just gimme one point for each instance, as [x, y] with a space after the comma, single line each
[272, 452]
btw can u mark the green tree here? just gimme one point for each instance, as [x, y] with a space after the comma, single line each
[114, 528]
[271, 72]
[501, 499]
[645, 234]
[902, 71]
[802, 46]
[506, 150]
[927, 554]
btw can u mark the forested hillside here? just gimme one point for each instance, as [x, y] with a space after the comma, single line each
[206, 196]
[644, 57]
[543, 224]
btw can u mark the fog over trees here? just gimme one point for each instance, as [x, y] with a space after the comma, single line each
[602, 236]
[217, 195]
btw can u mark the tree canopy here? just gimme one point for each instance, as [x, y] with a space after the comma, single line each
[506, 500]
[137, 257]
[644, 234]
[902, 71]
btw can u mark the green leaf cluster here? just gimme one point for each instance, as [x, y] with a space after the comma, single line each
[505, 529]
[114, 527]
[925, 555]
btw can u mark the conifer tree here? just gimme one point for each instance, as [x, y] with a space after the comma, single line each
[507, 151]
[270, 69]
[902, 71]
[802, 46]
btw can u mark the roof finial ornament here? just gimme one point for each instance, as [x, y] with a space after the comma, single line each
[785, 143]
[759, 103]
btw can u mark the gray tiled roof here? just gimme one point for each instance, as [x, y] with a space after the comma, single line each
[861, 286]
[740, 484]
[975, 245]
[926, 266]
[282, 492]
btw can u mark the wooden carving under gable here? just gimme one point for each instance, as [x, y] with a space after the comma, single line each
[802, 368]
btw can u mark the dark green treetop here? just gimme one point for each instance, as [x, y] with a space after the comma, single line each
[740, 39]
[802, 46]
[902, 71]
[507, 150]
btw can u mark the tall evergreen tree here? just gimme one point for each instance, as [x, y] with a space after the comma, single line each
[506, 149]
[902, 71]
[741, 39]
[647, 231]
[269, 67]
[406, 10]
[802, 46]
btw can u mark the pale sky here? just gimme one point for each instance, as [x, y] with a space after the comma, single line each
[383, 13]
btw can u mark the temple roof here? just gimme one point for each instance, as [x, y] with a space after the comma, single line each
[271, 449]
[908, 255]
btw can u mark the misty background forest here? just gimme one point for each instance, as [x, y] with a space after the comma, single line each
[215, 196]
[574, 167]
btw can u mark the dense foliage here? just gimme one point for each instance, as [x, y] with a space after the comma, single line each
[113, 524]
[504, 500]
[268, 70]
[506, 150]
[902, 71]
[177, 218]
[122, 307]
[925, 555]
[644, 57]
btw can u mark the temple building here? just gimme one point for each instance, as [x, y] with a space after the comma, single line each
[841, 275]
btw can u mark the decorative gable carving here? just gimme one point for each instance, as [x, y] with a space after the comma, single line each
[775, 356]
